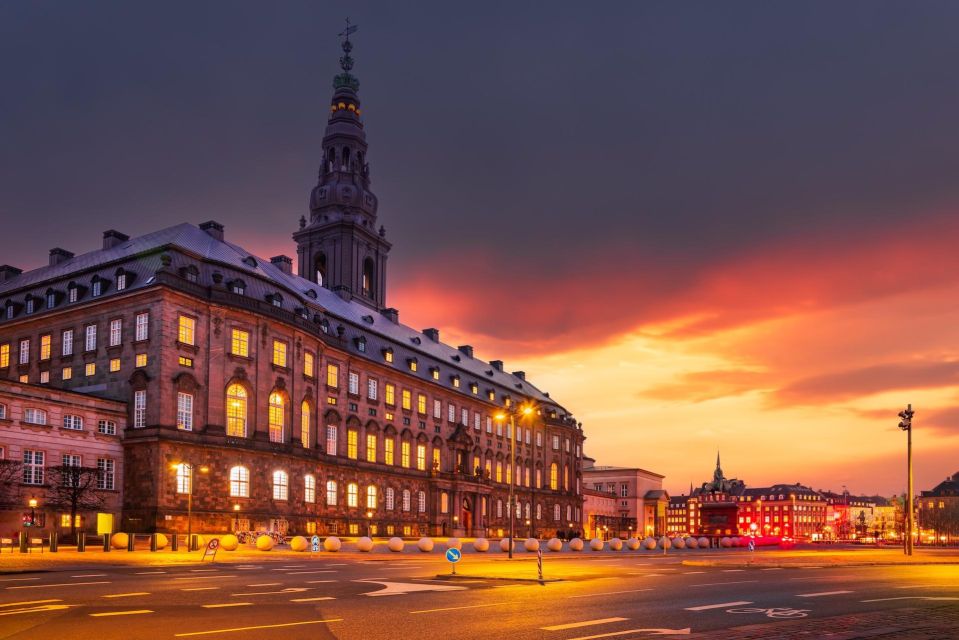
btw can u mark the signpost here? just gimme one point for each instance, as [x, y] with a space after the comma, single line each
[315, 542]
[210, 550]
[453, 556]
[752, 544]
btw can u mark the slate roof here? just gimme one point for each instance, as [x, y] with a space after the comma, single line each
[141, 258]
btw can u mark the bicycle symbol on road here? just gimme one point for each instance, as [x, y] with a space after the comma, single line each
[775, 612]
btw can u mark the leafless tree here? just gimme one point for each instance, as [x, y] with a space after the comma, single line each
[11, 475]
[74, 489]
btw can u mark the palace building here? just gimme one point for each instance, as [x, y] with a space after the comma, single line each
[257, 398]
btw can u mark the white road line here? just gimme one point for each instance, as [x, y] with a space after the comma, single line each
[21, 604]
[821, 593]
[299, 573]
[716, 584]
[733, 570]
[690, 573]
[270, 593]
[127, 595]
[469, 606]
[608, 593]
[264, 584]
[203, 570]
[205, 577]
[120, 613]
[262, 626]
[928, 586]
[668, 632]
[723, 605]
[89, 575]
[312, 599]
[577, 625]
[61, 584]
[199, 589]
[318, 581]
[772, 569]
[147, 573]
[950, 598]
[226, 604]
[16, 579]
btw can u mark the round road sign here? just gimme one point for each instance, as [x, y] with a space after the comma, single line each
[454, 555]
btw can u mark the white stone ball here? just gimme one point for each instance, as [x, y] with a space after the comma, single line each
[332, 543]
[364, 544]
[576, 544]
[704, 542]
[264, 543]
[229, 542]
[554, 544]
[633, 544]
[735, 541]
[395, 544]
[454, 543]
[119, 540]
[504, 544]
[664, 543]
[691, 542]
[299, 543]
[615, 544]
[163, 541]
[726, 542]
[425, 545]
[596, 544]
[649, 543]
[480, 545]
[678, 543]
[531, 544]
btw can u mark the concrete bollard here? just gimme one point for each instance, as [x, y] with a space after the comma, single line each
[81, 541]
[23, 542]
[54, 540]
[175, 542]
[153, 542]
[332, 544]
[633, 544]
[554, 544]
[364, 544]
[131, 539]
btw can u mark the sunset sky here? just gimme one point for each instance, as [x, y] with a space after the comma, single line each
[698, 225]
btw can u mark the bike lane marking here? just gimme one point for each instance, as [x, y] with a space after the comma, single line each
[585, 623]
[821, 593]
[723, 605]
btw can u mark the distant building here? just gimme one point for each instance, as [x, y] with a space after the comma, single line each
[600, 515]
[641, 501]
[682, 516]
[717, 506]
[792, 510]
[939, 512]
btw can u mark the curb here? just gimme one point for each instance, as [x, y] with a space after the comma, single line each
[814, 565]
[447, 576]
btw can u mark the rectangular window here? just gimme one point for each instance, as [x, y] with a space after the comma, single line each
[4, 355]
[279, 353]
[351, 444]
[407, 399]
[309, 489]
[139, 409]
[72, 422]
[240, 343]
[332, 376]
[90, 369]
[371, 447]
[116, 331]
[405, 454]
[465, 417]
[186, 330]
[44, 377]
[25, 351]
[624, 491]
[107, 427]
[437, 409]
[114, 364]
[476, 421]
[121, 281]
[388, 451]
[34, 416]
[66, 342]
[90, 337]
[331, 440]
[308, 364]
[67, 373]
[141, 360]
[32, 466]
[489, 424]
[184, 411]
[183, 361]
[72, 294]
[105, 474]
[451, 412]
[421, 404]
[354, 383]
[556, 445]
[371, 388]
[142, 326]
[390, 394]
[45, 346]
[421, 457]
[352, 495]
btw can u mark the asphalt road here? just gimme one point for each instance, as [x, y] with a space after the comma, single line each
[329, 596]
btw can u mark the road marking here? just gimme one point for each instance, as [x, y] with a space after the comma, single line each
[608, 593]
[733, 570]
[264, 584]
[127, 595]
[203, 570]
[297, 573]
[37, 609]
[262, 626]
[716, 584]
[61, 584]
[471, 606]
[772, 569]
[821, 593]
[399, 588]
[927, 586]
[16, 579]
[318, 581]
[655, 632]
[270, 593]
[147, 573]
[690, 573]
[205, 577]
[587, 623]
[913, 598]
[89, 575]
[23, 604]
[312, 599]
[120, 613]
[226, 604]
[199, 588]
[724, 605]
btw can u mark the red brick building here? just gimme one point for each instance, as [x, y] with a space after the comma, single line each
[289, 402]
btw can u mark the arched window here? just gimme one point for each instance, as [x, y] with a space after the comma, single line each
[277, 421]
[369, 280]
[539, 512]
[390, 499]
[306, 434]
[352, 495]
[281, 487]
[499, 471]
[421, 501]
[444, 502]
[566, 477]
[239, 482]
[371, 497]
[406, 499]
[331, 493]
[236, 411]
[527, 512]
[345, 159]
[556, 512]
[320, 267]
[309, 489]
[553, 477]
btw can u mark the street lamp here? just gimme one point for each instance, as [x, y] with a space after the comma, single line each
[188, 468]
[369, 523]
[906, 425]
[510, 435]
[32, 503]
[236, 517]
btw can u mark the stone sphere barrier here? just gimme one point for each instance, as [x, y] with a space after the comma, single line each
[649, 543]
[704, 542]
[229, 542]
[364, 544]
[596, 544]
[615, 544]
[504, 544]
[299, 543]
[726, 542]
[119, 540]
[425, 545]
[395, 544]
[454, 543]
[332, 543]
[481, 545]
[201, 541]
[531, 544]
[736, 541]
[692, 543]
[678, 543]
[163, 541]
[264, 543]
[576, 544]
[633, 544]
[664, 543]
[554, 544]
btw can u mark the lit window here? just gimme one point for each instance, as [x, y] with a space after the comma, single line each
[281, 489]
[407, 399]
[499, 471]
[4, 355]
[474, 388]
[239, 482]
[435, 372]
[331, 493]
[184, 411]
[142, 326]
[388, 444]
[351, 444]
[331, 440]
[436, 458]
[388, 355]
[141, 360]
[456, 381]
[421, 404]
[184, 361]
[184, 479]
[186, 330]
[139, 409]
[236, 398]
[240, 343]
[44, 377]
[553, 477]
[405, 454]
[90, 369]
[305, 428]
[45, 346]
[390, 394]
[116, 331]
[279, 353]
[308, 364]
[352, 495]
[332, 376]
[277, 418]
[68, 373]
[371, 447]
[413, 364]
[114, 365]
[371, 497]
[309, 489]
[421, 457]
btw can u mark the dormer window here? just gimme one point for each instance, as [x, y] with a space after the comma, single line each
[474, 388]
[435, 372]
[388, 355]
[73, 292]
[8, 312]
[456, 381]
[361, 344]
[30, 304]
[190, 273]
[96, 286]
[51, 298]
[412, 364]
[325, 325]
[121, 280]
[491, 395]
[275, 299]
[238, 287]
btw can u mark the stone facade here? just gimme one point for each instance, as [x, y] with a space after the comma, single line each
[640, 499]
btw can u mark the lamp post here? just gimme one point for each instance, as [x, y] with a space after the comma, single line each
[906, 425]
[510, 435]
[369, 524]
[188, 467]
[32, 502]
[236, 517]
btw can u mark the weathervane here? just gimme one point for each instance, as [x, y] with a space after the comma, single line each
[346, 62]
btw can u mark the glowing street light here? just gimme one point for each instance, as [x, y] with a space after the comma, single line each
[188, 468]
[32, 503]
[905, 423]
[525, 410]
[236, 517]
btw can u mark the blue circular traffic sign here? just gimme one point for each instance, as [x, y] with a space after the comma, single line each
[454, 555]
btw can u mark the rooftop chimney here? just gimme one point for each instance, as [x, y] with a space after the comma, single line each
[496, 364]
[112, 238]
[391, 314]
[8, 273]
[520, 374]
[59, 255]
[432, 334]
[467, 349]
[283, 263]
[213, 228]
